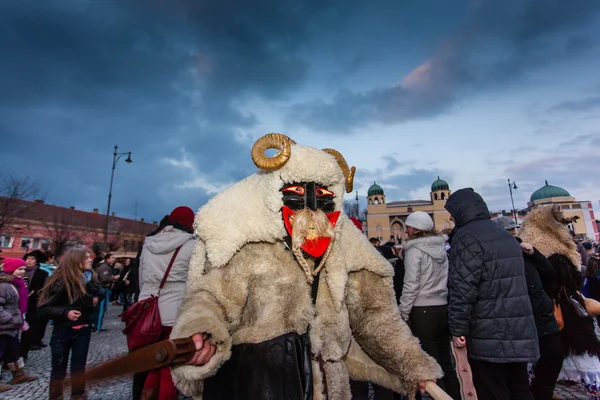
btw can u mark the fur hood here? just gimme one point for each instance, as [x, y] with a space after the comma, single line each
[250, 210]
[6, 278]
[544, 228]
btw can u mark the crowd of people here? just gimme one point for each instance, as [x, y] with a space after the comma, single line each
[515, 296]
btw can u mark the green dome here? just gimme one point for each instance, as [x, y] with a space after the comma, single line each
[375, 190]
[439, 184]
[549, 191]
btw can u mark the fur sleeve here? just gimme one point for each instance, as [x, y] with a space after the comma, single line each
[381, 333]
[213, 304]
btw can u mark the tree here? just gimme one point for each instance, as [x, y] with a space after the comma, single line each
[350, 208]
[17, 194]
[64, 230]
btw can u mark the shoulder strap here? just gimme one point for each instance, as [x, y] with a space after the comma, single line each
[164, 279]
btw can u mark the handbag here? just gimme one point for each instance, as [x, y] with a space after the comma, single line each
[143, 325]
[559, 315]
[579, 309]
[592, 306]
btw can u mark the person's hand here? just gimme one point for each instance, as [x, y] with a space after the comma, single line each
[421, 386]
[95, 301]
[527, 248]
[116, 278]
[459, 341]
[126, 283]
[74, 315]
[204, 349]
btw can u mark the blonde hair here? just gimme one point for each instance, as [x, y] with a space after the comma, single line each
[69, 275]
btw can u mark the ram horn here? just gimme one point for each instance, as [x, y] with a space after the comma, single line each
[348, 172]
[272, 141]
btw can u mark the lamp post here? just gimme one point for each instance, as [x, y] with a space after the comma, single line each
[511, 186]
[357, 208]
[116, 157]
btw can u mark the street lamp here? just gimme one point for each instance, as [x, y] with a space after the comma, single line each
[116, 157]
[511, 186]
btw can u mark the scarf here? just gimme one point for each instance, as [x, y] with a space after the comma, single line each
[19, 284]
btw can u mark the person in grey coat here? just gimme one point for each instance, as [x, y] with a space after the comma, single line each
[424, 300]
[489, 308]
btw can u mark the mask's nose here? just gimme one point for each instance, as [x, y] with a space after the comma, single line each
[311, 196]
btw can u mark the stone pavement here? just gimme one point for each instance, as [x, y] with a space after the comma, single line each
[109, 344]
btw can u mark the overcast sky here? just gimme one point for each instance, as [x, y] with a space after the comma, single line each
[474, 91]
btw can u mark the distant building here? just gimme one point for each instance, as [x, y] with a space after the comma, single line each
[386, 220]
[48, 227]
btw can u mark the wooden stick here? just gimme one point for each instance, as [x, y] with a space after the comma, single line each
[435, 391]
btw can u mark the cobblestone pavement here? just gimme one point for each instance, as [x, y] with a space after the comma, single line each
[109, 344]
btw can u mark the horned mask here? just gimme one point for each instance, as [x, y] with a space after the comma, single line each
[310, 210]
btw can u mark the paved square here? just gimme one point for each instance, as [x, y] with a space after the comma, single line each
[109, 344]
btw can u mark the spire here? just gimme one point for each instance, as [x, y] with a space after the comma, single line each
[546, 182]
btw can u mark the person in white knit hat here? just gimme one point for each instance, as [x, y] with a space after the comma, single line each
[424, 300]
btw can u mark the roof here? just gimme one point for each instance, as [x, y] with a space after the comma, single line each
[548, 191]
[375, 190]
[47, 213]
[439, 184]
[406, 203]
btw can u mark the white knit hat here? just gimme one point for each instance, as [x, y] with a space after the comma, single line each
[420, 220]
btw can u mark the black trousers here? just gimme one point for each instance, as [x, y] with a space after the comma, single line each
[500, 381]
[138, 385]
[430, 325]
[548, 367]
[360, 391]
[9, 348]
[66, 341]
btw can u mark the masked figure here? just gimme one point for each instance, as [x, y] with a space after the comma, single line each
[290, 292]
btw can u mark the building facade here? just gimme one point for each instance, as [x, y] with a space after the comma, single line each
[43, 226]
[385, 220]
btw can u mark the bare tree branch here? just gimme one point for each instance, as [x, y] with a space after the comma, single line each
[17, 194]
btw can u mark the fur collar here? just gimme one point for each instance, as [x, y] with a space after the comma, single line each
[428, 241]
[250, 210]
[6, 278]
[541, 229]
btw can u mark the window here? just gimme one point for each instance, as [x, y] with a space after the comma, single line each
[443, 196]
[45, 244]
[6, 242]
[435, 196]
[576, 206]
[26, 242]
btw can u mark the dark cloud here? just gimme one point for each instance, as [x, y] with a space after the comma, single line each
[587, 104]
[163, 79]
[499, 44]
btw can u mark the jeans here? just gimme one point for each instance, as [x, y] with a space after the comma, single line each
[548, 367]
[507, 381]
[430, 325]
[102, 307]
[9, 348]
[65, 341]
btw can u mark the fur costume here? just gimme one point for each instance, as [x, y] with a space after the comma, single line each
[245, 286]
[545, 229]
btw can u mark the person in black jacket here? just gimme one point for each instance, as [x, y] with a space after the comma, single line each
[68, 298]
[489, 309]
[35, 279]
[539, 274]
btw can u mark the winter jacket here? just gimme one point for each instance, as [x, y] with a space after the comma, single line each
[155, 258]
[11, 318]
[539, 274]
[59, 305]
[36, 283]
[105, 275]
[488, 298]
[426, 274]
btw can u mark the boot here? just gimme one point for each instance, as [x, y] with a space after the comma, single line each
[4, 388]
[18, 373]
